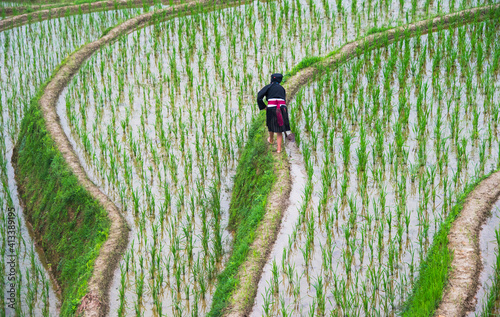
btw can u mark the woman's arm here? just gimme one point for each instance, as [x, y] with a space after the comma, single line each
[260, 96]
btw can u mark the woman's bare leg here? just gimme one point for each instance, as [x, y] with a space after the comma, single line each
[279, 136]
[271, 137]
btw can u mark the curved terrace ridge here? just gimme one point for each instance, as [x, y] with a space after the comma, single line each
[463, 239]
[109, 256]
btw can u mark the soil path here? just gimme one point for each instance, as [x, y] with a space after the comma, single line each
[250, 271]
[459, 295]
[290, 216]
[463, 236]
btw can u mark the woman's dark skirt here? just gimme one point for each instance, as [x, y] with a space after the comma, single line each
[272, 119]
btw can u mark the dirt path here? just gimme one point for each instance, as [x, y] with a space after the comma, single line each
[250, 271]
[95, 302]
[289, 219]
[459, 295]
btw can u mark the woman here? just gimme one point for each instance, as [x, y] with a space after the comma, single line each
[276, 111]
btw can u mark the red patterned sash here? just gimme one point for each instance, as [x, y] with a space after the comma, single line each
[278, 103]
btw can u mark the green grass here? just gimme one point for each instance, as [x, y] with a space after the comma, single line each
[375, 29]
[304, 63]
[85, 1]
[254, 179]
[434, 270]
[71, 224]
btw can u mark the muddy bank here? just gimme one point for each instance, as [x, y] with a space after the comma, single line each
[95, 301]
[463, 240]
[242, 299]
[290, 216]
[488, 245]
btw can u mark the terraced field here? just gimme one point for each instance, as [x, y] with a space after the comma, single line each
[386, 154]
[142, 182]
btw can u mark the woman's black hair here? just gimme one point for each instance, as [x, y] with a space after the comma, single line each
[276, 78]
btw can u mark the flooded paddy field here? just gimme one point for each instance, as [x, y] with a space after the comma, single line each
[159, 118]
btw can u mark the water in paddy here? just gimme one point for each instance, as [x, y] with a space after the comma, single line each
[28, 56]
[159, 118]
[10, 4]
[488, 245]
[389, 142]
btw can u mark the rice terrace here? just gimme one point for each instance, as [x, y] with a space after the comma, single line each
[250, 158]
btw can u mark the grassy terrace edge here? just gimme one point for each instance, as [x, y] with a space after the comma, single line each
[435, 269]
[70, 224]
[261, 190]
[306, 71]
[466, 265]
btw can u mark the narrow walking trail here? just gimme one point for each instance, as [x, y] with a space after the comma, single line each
[459, 295]
[290, 216]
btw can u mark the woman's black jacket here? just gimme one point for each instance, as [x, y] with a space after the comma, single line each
[271, 91]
